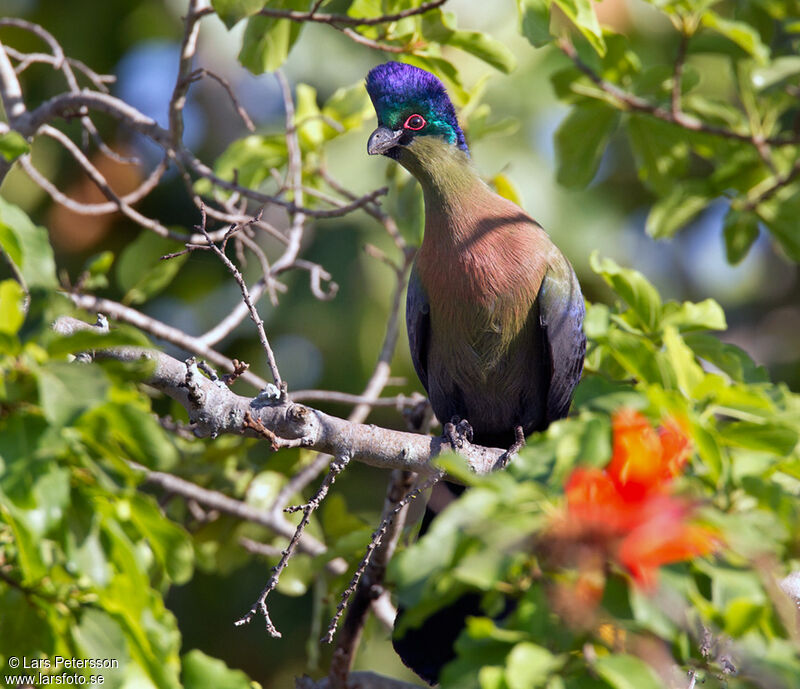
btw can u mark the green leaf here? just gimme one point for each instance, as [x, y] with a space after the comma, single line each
[581, 14]
[705, 315]
[742, 615]
[729, 358]
[534, 20]
[311, 128]
[529, 665]
[766, 437]
[67, 389]
[776, 71]
[661, 151]
[687, 370]
[741, 231]
[231, 11]
[13, 145]
[140, 270]
[780, 216]
[506, 188]
[581, 140]
[632, 287]
[169, 542]
[670, 213]
[250, 160]
[27, 245]
[440, 27]
[267, 42]
[200, 671]
[12, 307]
[744, 35]
[89, 340]
[627, 672]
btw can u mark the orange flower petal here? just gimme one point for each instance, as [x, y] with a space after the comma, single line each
[662, 539]
[593, 498]
[676, 447]
[635, 465]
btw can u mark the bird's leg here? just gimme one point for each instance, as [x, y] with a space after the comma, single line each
[519, 440]
[458, 432]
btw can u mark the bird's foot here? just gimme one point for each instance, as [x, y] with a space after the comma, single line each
[458, 432]
[519, 441]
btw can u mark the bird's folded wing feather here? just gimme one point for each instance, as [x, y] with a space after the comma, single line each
[418, 322]
[561, 312]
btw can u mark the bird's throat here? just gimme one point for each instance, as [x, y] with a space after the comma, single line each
[445, 173]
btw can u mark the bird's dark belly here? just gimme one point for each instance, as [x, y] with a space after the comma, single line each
[494, 393]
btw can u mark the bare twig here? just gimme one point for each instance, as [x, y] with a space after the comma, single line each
[234, 271]
[377, 538]
[370, 586]
[274, 521]
[222, 81]
[629, 101]
[346, 20]
[677, 75]
[92, 208]
[165, 332]
[337, 466]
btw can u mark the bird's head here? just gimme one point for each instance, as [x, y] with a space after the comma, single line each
[412, 105]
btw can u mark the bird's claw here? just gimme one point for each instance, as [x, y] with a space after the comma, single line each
[519, 441]
[458, 432]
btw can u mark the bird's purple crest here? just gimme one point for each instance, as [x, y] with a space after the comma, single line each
[399, 90]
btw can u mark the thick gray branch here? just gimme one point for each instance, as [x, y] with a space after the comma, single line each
[214, 409]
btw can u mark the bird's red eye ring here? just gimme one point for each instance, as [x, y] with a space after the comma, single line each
[415, 123]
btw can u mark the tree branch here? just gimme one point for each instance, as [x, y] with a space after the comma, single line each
[214, 409]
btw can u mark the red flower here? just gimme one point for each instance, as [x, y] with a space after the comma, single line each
[626, 506]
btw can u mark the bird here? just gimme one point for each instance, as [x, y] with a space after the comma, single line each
[494, 310]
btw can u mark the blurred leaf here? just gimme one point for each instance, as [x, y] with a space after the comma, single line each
[627, 672]
[13, 145]
[308, 117]
[661, 151]
[741, 231]
[744, 35]
[534, 18]
[231, 11]
[67, 389]
[687, 370]
[581, 14]
[581, 140]
[776, 71]
[705, 315]
[728, 357]
[140, 271]
[12, 301]
[350, 107]
[505, 187]
[633, 287]
[90, 340]
[27, 246]
[670, 213]
[199, 671]
[780, 216]
[440, 26]
[267, 41]
[248, 160]
[766, 437]
[529, 665]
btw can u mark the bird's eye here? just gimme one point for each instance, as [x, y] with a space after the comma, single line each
[415, 123]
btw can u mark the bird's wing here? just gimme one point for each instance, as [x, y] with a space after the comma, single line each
[561, 312]
[418, 323]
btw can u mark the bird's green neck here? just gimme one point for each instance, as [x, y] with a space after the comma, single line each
[444, 171]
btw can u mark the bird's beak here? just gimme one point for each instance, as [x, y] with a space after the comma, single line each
[383, 139]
